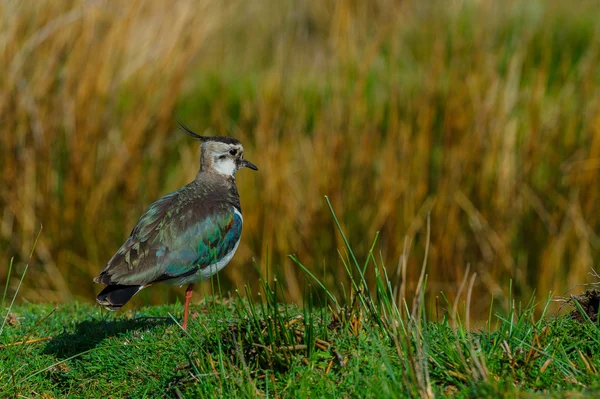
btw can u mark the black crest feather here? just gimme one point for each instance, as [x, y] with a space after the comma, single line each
[189, 131]
[221, 139]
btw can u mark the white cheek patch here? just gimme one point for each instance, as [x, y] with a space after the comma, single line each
[225, 166]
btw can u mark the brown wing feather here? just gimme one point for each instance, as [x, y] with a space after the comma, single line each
[136, 250]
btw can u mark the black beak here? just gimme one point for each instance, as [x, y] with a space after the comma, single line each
[247, 164]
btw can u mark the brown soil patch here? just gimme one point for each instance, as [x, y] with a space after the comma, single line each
[589, 301]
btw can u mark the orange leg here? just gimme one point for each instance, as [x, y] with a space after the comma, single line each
[188, 296]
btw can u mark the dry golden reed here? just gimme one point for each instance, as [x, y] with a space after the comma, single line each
[484, 116]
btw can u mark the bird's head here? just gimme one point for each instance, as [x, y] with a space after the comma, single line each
[220, 154]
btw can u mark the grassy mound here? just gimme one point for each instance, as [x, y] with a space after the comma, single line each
[239, 349]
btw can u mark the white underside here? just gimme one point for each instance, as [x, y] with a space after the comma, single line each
[213, 269]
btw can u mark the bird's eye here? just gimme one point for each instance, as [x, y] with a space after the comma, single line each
[233, 152]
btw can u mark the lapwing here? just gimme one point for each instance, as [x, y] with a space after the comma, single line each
[186, 236]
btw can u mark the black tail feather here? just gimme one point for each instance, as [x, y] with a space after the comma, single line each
[114, 296]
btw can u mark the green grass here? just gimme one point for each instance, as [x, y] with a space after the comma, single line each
[238, 349]
[241, 347]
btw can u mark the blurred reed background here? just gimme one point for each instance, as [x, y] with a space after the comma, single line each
[484, 114]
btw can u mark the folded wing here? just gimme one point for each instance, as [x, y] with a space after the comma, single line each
[176, 237]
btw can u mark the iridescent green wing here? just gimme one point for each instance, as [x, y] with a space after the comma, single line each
[201, 244]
